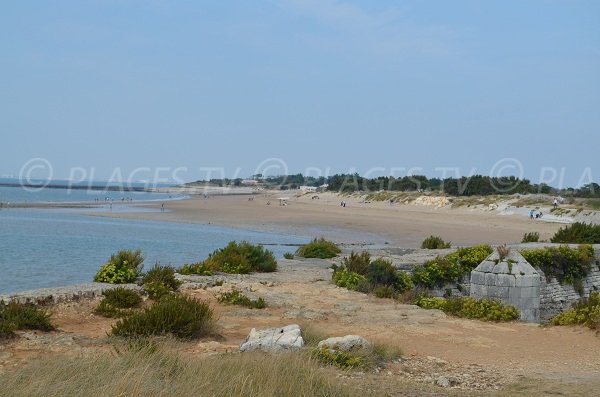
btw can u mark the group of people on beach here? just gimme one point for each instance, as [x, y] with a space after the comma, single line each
[343, 203]
[533, 214]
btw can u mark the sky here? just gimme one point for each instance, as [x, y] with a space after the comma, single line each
[183, 90]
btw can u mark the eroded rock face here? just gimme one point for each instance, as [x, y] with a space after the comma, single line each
[274, 339]
[345, 343]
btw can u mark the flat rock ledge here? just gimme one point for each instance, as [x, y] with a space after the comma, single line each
[345, 343]
[63, 294]
[274, 339]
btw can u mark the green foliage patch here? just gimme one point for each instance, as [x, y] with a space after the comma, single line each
[288, 255]
[357, 262]
[237, 297]
[434, 242]
[178, 315]
[199, 269]
[578, 233]
[160, 281]
[319, 248]
[18, 316]
[122, 267]
[467, 307]
[585, 312]
[241, 258]
[568, 265]
[117, 302]
[532, 237]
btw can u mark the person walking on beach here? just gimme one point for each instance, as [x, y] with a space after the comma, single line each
[162, 207]
[555, 202]
[531, 212]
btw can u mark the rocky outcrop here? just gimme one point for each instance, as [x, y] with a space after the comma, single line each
[62, 294]
[274, 339]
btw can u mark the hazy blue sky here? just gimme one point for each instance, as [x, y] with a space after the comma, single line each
[338, 85]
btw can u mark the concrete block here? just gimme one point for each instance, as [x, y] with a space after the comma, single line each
[505, 280]
[477, 278]
[490, 279]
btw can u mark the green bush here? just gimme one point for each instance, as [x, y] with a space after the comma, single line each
[381, 272]
[434, 242]
[288, 255]
[357, 263]
[466, 307]
[122, 267]
[568, 265]
[451, 267]
[199, 269]
[241, 258]
[585, 312]
[318, 248]
[532, 237]
[160, 281]
[346, 279]
[384, 291]
[177, 315]
[117, 301]
[365, 358]
[237, 297]
[18, 316]
[578, 233]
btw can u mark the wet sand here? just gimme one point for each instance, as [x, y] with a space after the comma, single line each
[403, 225]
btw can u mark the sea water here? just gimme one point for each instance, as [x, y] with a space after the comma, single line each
[42, 248]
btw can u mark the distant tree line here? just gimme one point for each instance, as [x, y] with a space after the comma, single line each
[476, 185]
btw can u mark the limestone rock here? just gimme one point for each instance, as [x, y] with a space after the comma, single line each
[345, 343]
[274, 339]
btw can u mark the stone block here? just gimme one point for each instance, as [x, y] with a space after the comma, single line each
[490, 279]
[498, 293]
[505, 280]
[477, 278]
[485, 267]
[501, 267]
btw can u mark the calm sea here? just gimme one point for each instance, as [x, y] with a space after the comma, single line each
[42, 248]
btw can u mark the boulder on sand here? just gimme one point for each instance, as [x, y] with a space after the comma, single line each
[274, 339]
[345, 343]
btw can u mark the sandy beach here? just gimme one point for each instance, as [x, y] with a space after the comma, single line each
[402, 225]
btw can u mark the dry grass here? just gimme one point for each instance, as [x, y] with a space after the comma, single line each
[164, 371]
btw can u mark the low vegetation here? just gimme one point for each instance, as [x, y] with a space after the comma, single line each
[160, 281]
[235, 258]
[379, 276]
[178, 315]
[118, 302]
[163, 370]
[466, 307]
[319, 248]
[18, 316]
[531, 237]
[451, 267]
[434, 242]
[585, 312]
[568, 265]
[364, 358]
[288, 255]
[578, 233]
[237, 297]
[122, 267]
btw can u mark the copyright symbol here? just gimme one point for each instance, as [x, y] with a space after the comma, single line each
[506, 166]
[37, 166]
[274, 166]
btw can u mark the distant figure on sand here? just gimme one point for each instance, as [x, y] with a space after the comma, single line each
[531, 212]
[555, 202]
[162, 207]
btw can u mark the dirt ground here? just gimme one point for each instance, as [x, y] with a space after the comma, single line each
[475, 357]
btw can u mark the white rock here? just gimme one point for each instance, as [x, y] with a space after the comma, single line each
[442, 381]
[345, 343]
[274, 339]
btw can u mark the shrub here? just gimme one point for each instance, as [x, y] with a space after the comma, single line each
[365, 358]
[437, 272]
[346, 279]
[357, 263]
[160, 281]
[532, 237]
[381, 272]
[384, 291]
[288, 255]
[318, 248]
[122, 267]
[241, 258]
[470, 257]
[117, 301]
[16, 316]
[585, 312]
[434, 242]
[178, 315]
[199, 269]
[578, 233]
[567, 264]
[466, 307]
[236, 297]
